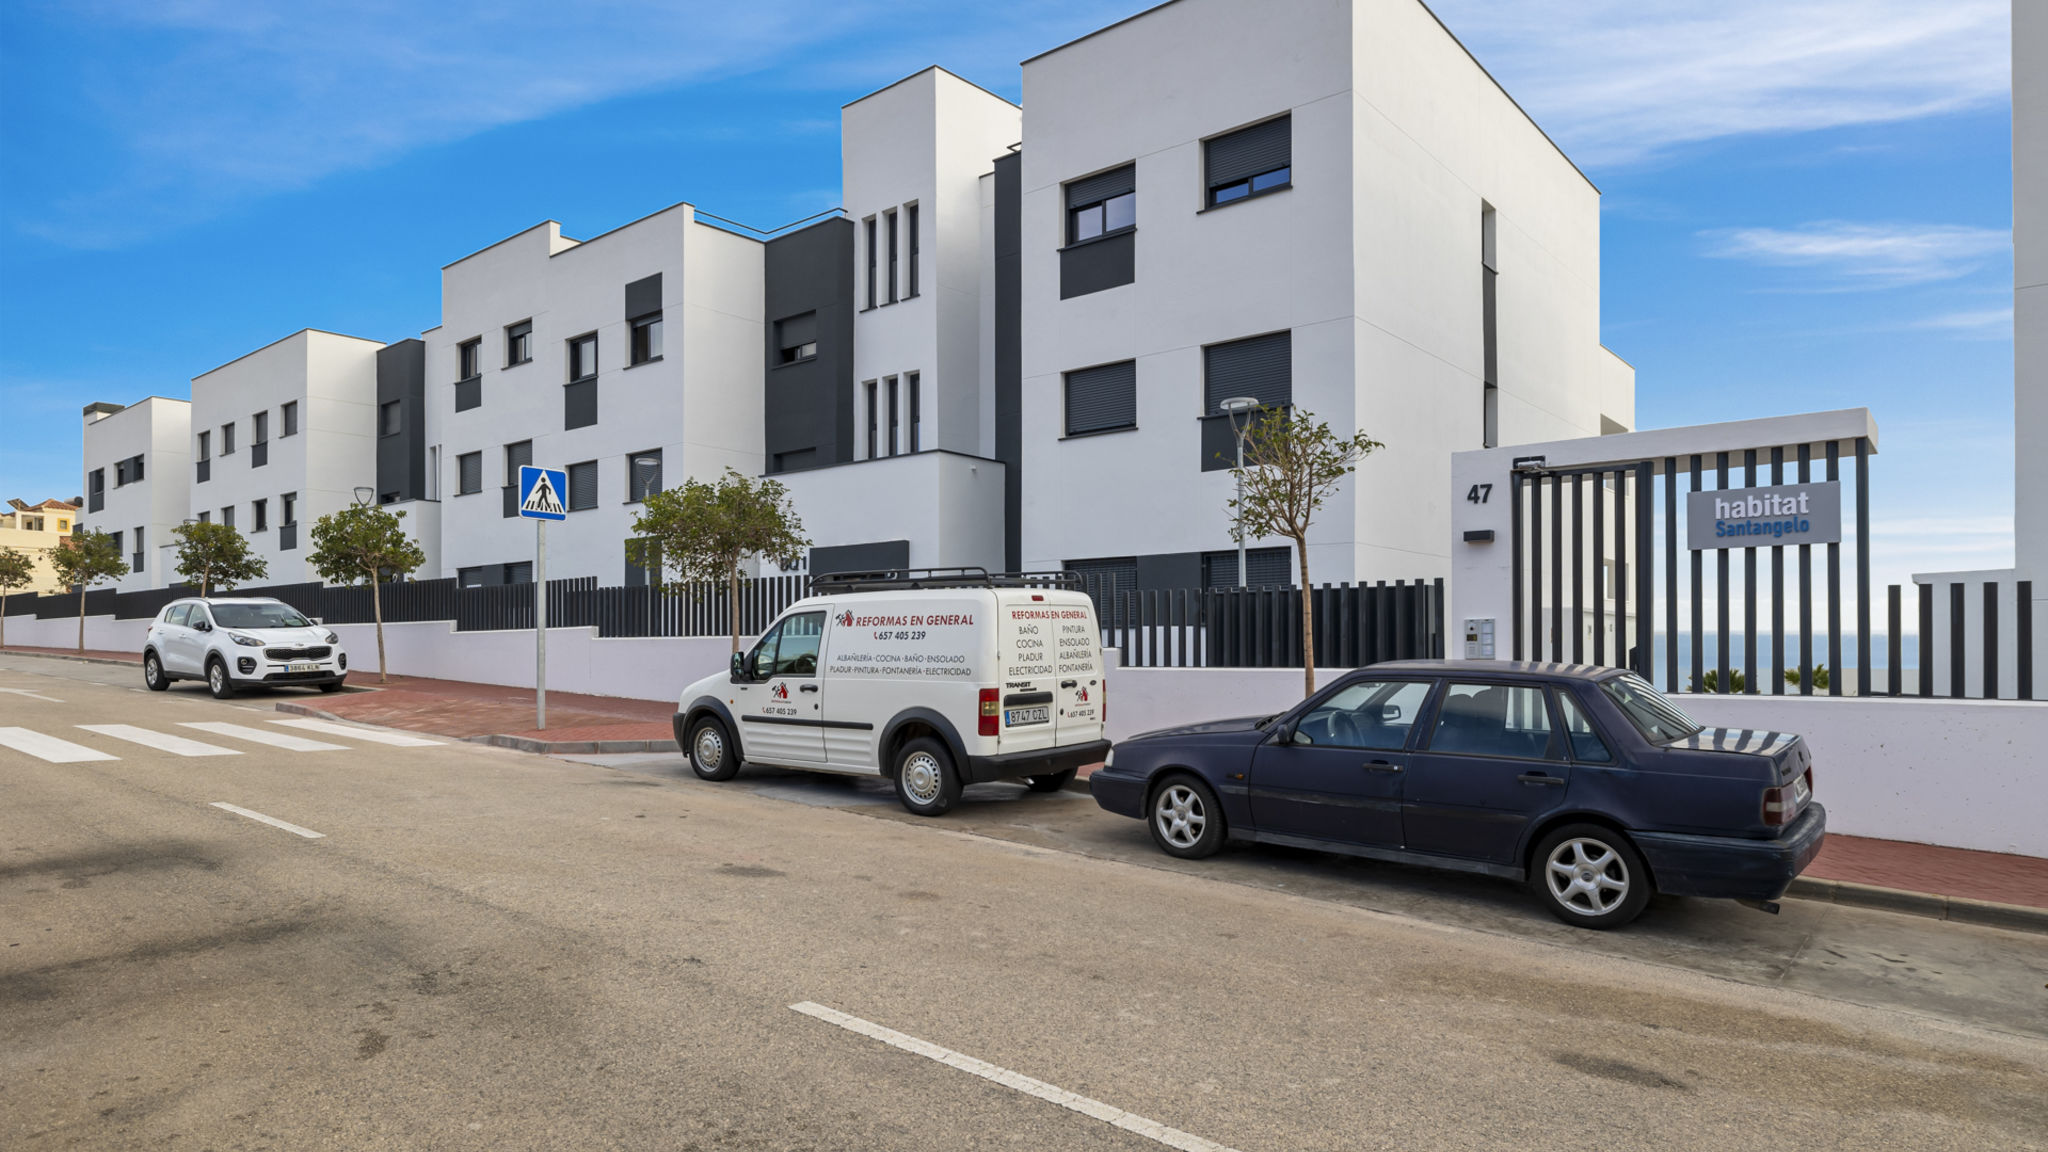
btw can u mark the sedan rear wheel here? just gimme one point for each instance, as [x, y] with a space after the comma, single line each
[1591, 876]
[1185, 819]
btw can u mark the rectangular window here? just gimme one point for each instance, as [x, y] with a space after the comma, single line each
[259, 428]
[96, 487]
[870, 223]
[519, 572]
[390, 418]
[469, 471]
[1102, 204]
[1260, 369]
[894, 418]
[1489, 350]
[206, 445]
[796, 338]
[470, 577]
[891, 218]
[259, 511]
[583, 486]
[583, 357]
[288, 508]
[227, 439]
[227, 515]
[136, 562]
[643, 475]
[1250, 161]
[117, 542]
[469, 359]
[518, 343]
[517, 456]
[290, 414]
[874, 416]
[1263, 568]
[1102, 399]
[910, 225]
[206, 517]
[646, 344]
[434, 472]
[910, 385]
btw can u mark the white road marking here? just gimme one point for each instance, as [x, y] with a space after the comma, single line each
[36, 695]
[371, 734]
[1151, 1129]
[161, 741]
[283, 740]
[273, 821]
[49, 747]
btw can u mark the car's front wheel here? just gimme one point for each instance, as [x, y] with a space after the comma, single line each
[1185, 819]
[712, 756]
[926, 783]
[1590, 876]
[217, 680]
[153, 673]
[1051, 782]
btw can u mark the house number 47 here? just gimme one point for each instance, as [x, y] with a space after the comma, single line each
[1479, 493]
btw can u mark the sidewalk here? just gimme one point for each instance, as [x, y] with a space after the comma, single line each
[1947, 883]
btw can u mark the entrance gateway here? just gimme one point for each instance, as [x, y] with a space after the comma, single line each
[1575, 551]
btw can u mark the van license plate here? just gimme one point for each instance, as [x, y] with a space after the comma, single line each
[302, 667]
[1018, 716]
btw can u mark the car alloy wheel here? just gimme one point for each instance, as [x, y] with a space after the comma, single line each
[923, 777]
[1180, 815]
[1587, 877]
[153, 673]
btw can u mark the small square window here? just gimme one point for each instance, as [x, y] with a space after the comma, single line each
[646, 339]
[290, 414]
[519, 343]
[469, 359]
[583, 357]
[260, 512]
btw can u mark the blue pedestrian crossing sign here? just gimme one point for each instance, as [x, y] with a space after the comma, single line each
[540, 493]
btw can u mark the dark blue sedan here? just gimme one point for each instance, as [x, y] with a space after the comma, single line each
[1586, 782]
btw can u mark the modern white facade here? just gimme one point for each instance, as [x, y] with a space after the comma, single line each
[137, 477]
[281, 437]
[1398, 179]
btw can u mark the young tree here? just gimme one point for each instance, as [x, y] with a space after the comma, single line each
[366, 543]
[216, 556]
[706, 531]
[17, 570]
[91, 558]
[1292, 463]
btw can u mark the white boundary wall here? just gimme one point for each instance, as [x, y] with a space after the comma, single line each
[1962, 773]
[635, 668]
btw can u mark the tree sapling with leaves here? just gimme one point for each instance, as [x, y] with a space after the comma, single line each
[17, 571]
[365, 543]
[705, 532]
[216, 557]
[90, 558]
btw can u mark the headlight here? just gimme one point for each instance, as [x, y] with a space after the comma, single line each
[1109, 758]
[245, 641]
[333, 639]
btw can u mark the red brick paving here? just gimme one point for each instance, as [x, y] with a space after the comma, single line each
[455, 708]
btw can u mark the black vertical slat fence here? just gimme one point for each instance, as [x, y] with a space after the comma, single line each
[1354, 624]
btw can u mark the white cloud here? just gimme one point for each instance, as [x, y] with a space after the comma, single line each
[1620, 81]
[1983, 324]
[1865, 255]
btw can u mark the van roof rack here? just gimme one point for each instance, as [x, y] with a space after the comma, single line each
[902, 579]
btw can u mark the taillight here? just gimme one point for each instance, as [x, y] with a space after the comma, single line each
[989, 716]
[1781, 804]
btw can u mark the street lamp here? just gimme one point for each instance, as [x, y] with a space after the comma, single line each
[1231, 407]
[365, 495]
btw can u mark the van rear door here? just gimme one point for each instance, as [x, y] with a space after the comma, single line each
[1029, 708]
[1077, 659]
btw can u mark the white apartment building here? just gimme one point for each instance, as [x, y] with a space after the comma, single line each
[137, 476]
[1326, 206]
[281, 437]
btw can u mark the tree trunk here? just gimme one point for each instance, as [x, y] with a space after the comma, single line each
[81, 617]
[202, 585]
[377, 613]
[3, 617]
[732, 602]
[1308, 622]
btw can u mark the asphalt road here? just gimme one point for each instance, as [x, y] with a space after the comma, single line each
[494, 950]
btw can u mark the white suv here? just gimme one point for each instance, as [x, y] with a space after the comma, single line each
[933, 678]
[240, 643]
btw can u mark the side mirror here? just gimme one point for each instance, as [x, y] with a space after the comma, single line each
[1390, 712]
[739, 665]
[204, 625]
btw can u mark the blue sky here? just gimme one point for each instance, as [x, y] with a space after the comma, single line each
[1806, 206]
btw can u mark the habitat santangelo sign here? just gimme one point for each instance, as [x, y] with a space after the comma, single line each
[1764, 517]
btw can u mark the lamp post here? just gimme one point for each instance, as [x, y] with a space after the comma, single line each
[1231, 408]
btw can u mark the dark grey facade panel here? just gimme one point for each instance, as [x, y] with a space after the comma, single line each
[1102, 398]
[402, 378]
[1102, 186]
[1165, 570]
[469, 394]
[1263, 567]
[1009, 349]
[1094, 265]
[1250, 151]
[1261, 367]
[579, 404]
[879, 556]
[808, 296]
[643, 296]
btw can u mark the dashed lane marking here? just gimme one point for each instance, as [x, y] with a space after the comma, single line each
[1108, 1114]
[283, 740]
[49, 747]
[161, 741]
[273, 821]
[34, 695]
[374, 735]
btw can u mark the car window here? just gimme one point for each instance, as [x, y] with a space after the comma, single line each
[796, 653]
[1649, 709]
[1494, 720]
[195, 615]
[259, 616]
[1375, 714]
[176, 614]
[1587, 746]
[762, 660]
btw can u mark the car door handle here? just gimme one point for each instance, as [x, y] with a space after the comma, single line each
[1539, 778]
[808, 688]
[1385, 766]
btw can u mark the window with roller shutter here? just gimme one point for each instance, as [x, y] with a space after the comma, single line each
[583, 486]
[1249, 162]
[1102, 399]
[1263, 568]
[469, 469]
[1261, 368]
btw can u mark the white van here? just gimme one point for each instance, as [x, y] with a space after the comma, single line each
[935, 678]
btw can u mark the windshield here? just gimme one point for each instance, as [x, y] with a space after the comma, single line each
[258, 616]
[1651, 710]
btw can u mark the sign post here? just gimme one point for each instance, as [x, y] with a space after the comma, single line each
[540, 500]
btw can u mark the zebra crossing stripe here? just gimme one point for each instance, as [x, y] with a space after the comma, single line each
[282, 740]
[49, 748]
[374, 735]
[161, 741]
